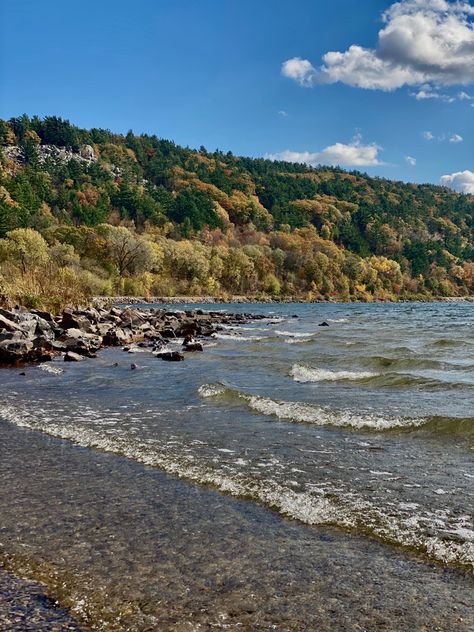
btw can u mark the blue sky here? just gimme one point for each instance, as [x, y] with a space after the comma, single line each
[249, 76]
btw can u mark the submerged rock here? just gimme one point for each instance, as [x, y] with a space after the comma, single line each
[73, 357]
[193, 346]
[171, 356]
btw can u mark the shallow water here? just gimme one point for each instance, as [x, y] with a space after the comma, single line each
[365, 428]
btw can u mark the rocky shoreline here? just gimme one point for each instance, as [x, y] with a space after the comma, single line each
[33, 336]
[248, 300]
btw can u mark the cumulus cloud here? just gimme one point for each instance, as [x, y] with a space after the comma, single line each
[354, 154]
[301, 70]
[410, 160]
[461, 181]
[283, 113]
[456, 138]
[422, 42]
[428, 135]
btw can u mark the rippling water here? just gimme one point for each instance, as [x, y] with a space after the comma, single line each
[366, 426]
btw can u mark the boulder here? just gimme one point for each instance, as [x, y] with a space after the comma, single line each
[194, 346]
[188, 329]
[171, 356]
[9, 325]
[80, 342]
[116, 337]
[87, 152]
[168, 333]
[74, 321]
[15, 351]
[73, 357]
[44, 315]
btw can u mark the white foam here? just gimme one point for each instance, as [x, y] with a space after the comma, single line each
[48, 368]
[211, 390]
[344, 509]
[296, 341]
[293, 334]
[237, 337]
[302, 373]
[300, 412]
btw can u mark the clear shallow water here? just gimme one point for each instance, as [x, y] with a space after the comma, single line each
[365, 426]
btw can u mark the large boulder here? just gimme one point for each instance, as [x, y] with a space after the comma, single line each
[15, 351]
[71, 320]
[81, 342]
[117, 337]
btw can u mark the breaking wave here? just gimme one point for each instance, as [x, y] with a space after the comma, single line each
[345, 510]
[311, 414]
[302, 373]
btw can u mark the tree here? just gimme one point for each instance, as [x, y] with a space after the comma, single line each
[198, 207]
[129, 253]
[24, 247]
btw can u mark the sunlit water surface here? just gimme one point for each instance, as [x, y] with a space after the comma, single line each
[361, 433]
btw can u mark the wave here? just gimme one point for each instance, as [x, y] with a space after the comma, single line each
[311, 414]
[302, 373]
[300, 412]
[237, 337]
[298, 341]
[293, 334]
[343, 509]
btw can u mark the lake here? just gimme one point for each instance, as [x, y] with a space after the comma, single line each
[292, 477]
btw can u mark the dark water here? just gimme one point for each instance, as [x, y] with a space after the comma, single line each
[361, 432]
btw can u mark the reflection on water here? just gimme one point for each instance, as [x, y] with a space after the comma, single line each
[364, 427]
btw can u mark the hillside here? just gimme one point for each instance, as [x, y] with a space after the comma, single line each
[111, 214]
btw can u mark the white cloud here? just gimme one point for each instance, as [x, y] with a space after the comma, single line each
[301, 70]
[410, 160]
[283, 113]
[453, 138]
[461, 181]
[422, 42]
[355, 154]
[428, 92]
[464, 96]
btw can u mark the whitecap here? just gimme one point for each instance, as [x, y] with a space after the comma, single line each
[302, 373]
[294, 334]
[48, 368]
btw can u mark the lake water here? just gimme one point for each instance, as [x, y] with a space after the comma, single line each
[291, 477]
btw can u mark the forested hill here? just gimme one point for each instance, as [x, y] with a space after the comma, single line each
[106, 213]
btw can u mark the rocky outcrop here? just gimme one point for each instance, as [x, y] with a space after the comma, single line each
[38, 336]
[86, 153]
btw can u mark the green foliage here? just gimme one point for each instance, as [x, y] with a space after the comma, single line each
[212, 222]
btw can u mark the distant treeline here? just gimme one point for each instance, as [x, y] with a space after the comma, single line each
[141, 215]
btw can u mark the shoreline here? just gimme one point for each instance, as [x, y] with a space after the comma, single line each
[34, 336]
[246, 300]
